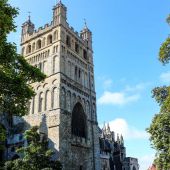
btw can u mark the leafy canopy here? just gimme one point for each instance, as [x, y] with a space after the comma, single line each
[160, 127]
[15, 72]
[36, 156]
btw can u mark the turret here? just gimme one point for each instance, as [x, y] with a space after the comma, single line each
[86, 35]
[108, 129]
[27, 29]
[59, 14]
[121, 140]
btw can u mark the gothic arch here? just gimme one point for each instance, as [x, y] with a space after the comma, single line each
[40, 102]
[47, 100]
[55, 35]
[38, 44]
[78, 123]
[49, 39]
[33, 47]
[28, 50]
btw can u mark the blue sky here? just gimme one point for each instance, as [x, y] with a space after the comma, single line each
[126, 40]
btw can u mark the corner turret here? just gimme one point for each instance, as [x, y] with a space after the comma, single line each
[59, 14]
[86, 35]
[27, 29]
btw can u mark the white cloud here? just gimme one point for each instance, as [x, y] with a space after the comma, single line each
[121, 126]
[146, 161]
[137, 88]
[117, 98]
[165, 77]
[107, 83]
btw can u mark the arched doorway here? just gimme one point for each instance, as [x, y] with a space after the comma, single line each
[78, 124]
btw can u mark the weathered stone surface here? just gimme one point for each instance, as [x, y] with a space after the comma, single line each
[67, 60]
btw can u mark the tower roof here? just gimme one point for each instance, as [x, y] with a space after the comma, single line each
[28, 22]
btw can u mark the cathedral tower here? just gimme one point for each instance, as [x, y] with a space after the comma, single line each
[65, 103]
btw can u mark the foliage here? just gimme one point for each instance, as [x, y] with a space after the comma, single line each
[2, 137]
[160, 127]
[36, 156]
[15, 72]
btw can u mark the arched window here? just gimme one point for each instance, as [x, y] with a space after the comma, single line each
[55, 35]
[54, 98]
[39, 44]
[78, 124]
[40, 105]
[33, 47]
[28, 49]
[49, 39]
[47, 100]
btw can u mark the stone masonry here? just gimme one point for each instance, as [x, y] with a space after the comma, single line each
[65, 102]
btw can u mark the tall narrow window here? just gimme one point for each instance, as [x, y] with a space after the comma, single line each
[28, 49]
[47, 100]
[39, 44]
[40, 106]
[75, 74]
[33, 47]
[85, 54]
[49, 39]
[77, 47]
[68, 41]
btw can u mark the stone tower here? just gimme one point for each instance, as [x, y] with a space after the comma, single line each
[65, 103]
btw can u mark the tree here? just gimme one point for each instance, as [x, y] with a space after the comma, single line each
[160, 127]
[15, 72]
[36, 156]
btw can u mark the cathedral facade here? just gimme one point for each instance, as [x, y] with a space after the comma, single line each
[65, 102]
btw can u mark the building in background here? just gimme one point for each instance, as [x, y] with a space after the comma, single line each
[113, 152]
